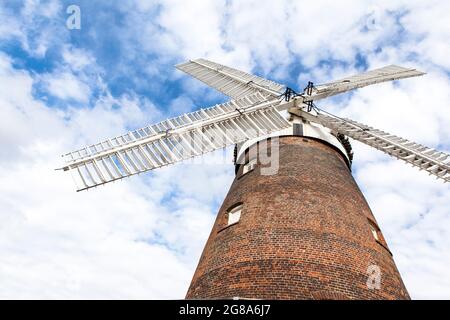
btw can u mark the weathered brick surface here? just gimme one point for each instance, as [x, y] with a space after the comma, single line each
[304, 233]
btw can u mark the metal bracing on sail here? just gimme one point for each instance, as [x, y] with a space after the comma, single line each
[384, 74]
[166, 126]
[435, 162]
[231, 82]
[200, 134]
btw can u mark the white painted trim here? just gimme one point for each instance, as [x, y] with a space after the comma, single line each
[312, 130]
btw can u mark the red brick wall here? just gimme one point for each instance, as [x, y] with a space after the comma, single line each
[304, 233]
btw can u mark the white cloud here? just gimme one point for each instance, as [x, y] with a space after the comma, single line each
[77, 59]
[199, 38]
[36, 25]
[66, 86]
[21, 116]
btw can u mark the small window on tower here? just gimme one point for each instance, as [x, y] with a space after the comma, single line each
[249, 166]
[374, 232]
[234, 215]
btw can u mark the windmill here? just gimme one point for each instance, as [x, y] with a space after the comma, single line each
[304, 232]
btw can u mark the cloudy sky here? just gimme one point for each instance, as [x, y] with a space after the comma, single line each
[142, 237]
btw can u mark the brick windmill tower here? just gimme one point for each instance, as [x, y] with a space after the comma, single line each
[294, 224]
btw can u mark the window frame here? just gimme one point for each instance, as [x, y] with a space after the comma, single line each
[375, 232]
[235, 211]
[224, 224]
[377, 235]
[249, 166]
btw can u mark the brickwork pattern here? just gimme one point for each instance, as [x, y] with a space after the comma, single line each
[304, 233]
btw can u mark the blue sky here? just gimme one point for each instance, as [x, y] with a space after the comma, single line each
[141, 238]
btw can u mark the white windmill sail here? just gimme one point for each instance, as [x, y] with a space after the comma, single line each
[231, 82]
[253, 112]
[174, 140]
[384, 74]
[435, 162]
